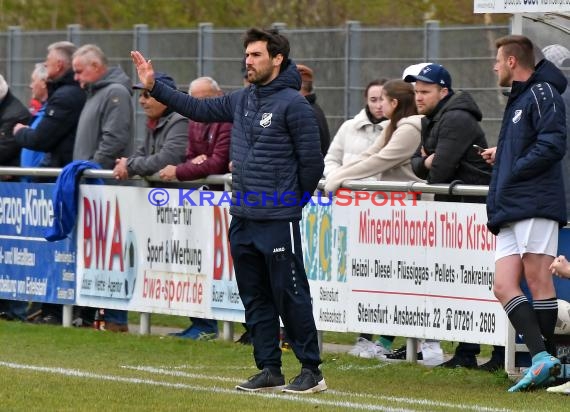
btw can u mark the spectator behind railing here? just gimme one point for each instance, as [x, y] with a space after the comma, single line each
[309, 93]
[356, 135]
[12, 111]
[38, 87]
[104, 131]
[30, 158]
[450, 130]
[165, 137]
[207, 154]
[55, 134]
[388, 158]
[389, 155]
[208, 148]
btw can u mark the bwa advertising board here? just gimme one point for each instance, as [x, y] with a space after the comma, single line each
[167, 258]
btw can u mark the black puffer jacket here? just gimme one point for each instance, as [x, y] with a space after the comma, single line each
[450, 132]
[12, 111]
[275, 147]
[527, 177]
[55, 134]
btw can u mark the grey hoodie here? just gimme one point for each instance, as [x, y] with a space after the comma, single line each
[105, 128]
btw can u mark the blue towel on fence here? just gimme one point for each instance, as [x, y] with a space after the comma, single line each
[65, 198]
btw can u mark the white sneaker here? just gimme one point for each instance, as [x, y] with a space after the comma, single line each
[432, 353]
[381, 351]
[361, 344]
[564, 389]
[374, 350]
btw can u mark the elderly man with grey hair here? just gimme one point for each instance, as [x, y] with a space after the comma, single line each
[208, 143]
[207, 154]
[104, 132]
[38, 87]
[55, 134]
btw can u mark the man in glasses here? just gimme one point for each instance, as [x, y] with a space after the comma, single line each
[165, 138]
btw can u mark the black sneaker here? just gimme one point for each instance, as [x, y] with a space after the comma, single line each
[400, 354]
[460, 362]
[263, 381]
[307, 382]
[6, 316]
[244, 339]
[493, 365]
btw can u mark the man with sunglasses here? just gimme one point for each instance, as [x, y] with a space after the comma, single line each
[165, 138]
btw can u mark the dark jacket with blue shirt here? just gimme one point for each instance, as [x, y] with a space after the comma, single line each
[527, 178]
[275, 145]
[55, 134]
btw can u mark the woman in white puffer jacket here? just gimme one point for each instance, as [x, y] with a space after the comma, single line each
[357, 134]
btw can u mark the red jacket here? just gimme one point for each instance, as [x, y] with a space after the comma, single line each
[211, 139]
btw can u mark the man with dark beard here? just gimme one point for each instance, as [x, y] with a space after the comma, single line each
[275, 155]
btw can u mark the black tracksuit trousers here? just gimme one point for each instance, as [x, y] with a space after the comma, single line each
[272, 282]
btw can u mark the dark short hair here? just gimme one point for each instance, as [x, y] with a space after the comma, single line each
[276, 43]
[518, 46]
[375, 82]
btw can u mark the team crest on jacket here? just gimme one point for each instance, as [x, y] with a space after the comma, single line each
[517, 116]
[266, 119]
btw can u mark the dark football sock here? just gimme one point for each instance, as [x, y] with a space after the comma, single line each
[547, 314]
[525, 322]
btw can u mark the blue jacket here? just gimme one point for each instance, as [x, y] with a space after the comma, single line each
[527, 177]
[29, 157]
[65, 199]
[275, 144]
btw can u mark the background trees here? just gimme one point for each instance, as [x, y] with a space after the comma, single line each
[123, 14]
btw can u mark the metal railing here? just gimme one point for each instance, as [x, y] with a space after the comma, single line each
[226, 180]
